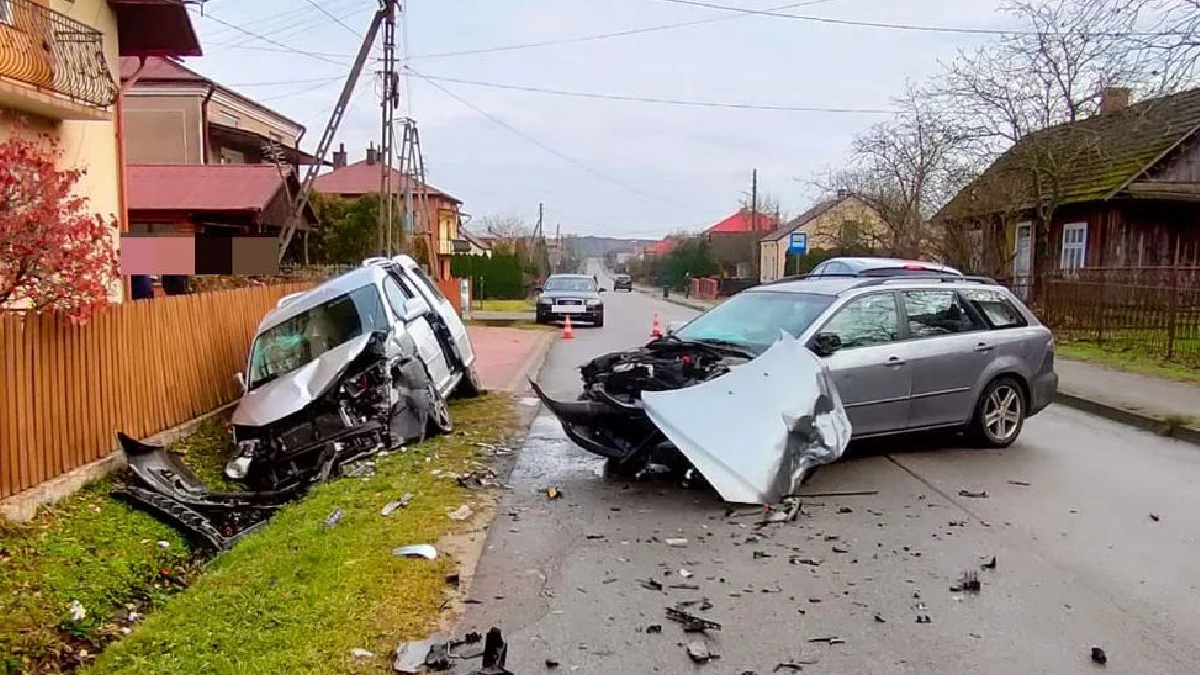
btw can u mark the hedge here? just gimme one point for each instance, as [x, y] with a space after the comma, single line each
[496, 277]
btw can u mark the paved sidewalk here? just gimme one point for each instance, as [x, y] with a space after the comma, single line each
[1141, 400]
[678, 299]
[505, 357]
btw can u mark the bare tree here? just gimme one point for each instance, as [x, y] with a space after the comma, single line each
[767, 205]
[503, 226]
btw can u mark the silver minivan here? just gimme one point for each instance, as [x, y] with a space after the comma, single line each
[907, 353]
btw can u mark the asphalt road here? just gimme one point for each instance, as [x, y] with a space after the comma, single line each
[1080, 562]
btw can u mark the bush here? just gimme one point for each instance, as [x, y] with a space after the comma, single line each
[498, 277]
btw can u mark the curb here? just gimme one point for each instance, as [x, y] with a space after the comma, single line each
[675, 301]
[1131, 418]
[533, 364]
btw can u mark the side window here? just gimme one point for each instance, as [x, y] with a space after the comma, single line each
[933, 313]
[428, 283]
[996, 308]
[867, 320]
[395, 297]
[819, 269]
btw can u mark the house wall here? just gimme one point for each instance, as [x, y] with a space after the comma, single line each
[164, 129]
[1182, 165]
[769, 268]
[825, 231]
[231, 111]
[734, 249]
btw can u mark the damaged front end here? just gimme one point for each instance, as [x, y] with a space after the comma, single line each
[290, 434]
[754, 427]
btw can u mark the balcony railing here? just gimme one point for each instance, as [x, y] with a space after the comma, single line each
[53, 52]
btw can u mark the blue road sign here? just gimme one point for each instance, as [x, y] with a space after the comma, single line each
[798, 243]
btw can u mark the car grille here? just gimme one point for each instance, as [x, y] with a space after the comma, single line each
[565, 301]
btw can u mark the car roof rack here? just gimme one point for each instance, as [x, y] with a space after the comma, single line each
[945, 278]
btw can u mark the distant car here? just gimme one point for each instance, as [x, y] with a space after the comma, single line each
[878, 267]
[574, 295]
[623, 281]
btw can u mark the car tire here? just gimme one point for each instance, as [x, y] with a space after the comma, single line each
[469, 386]
[999, 414]
[600, 321]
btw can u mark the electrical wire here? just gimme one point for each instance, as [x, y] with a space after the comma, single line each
[659, 101]
[894, 26]
[295, 22]
[273, 83]
[331, 16]
[289, 48]
[533, 141]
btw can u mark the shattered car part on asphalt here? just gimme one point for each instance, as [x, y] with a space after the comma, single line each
[670, 401]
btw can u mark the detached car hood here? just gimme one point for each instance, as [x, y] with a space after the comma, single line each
[789, 417]
[293, 391]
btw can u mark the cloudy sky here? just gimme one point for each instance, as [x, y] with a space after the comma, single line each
[611, 167]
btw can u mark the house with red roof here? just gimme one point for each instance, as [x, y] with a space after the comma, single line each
[734, 242]
[441, 219]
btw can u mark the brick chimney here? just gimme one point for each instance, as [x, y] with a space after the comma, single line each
[842, 193]
[339, 156]
[371, 155]
[1114, 98]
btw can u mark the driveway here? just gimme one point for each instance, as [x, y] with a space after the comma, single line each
[1080, 561]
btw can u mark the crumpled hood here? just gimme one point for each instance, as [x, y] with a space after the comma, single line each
[757, 431]
[295, 390]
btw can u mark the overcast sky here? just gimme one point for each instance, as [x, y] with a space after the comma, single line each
[634, 168]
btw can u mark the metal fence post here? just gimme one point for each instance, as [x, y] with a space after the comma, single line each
[1172, 310]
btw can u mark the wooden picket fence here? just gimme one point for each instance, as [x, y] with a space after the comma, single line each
[140, 367]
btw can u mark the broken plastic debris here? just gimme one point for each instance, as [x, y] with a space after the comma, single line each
[553, 493]
[495, 652]
[390, 508]
[698, 652]
[1155, 517]
[812, 562]
[989, 565]
[334, 518]
[1098, 656]
[981, 494]
[968, 583]
[828, 640]
[416, 551]
[360, 653]
[654, 628]
[1024, 483]
[164, 544]
[686, 574]
[78, 613]
[677, 542]
[461, 513]
[551, 664]
[410, 657]
[651, 584]
[691, 623]
[438, 657]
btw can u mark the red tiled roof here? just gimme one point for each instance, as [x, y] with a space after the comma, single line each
[159, 68]
[154, 28]
[742, 222]
[661, 247]
[200, 187]
[361, 178]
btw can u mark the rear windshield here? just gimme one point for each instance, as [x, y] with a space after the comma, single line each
[302, 338]
[582, 285]
[754, 320]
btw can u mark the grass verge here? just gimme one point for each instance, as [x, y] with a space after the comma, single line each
[505, 305]
[299, 595]
[1129, 361]
[95, 551]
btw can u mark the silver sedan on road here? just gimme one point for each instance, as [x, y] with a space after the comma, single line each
[907, 353]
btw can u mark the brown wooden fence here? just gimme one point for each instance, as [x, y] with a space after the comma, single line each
[141, 367]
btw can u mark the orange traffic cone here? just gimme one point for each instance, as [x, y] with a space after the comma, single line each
[655, 328]
[567, 332]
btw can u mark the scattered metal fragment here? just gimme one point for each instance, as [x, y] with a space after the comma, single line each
[78, 613]
[924, 618]
[391, 507]
[705, 605]
[838, 493]
[982, 494]
[1155, 517]
[495, 652]
[453, 579]
[698, 652]
[828, 640]
[361, 470]
[479, 479]
[691, 623]
[684, 587]
[438, 656]
[416, 551]
[360, 653]
[840, 549]
[467, 651]
[553, 493]
[758, 555]
[334, 518]
[551, 664]
[845, 509]
[686, 574]
[989, 565]
[654, 628]
[811, 562]
[410, 657]
[794, 665]
[1024, 483]
[969, 583]
[880, 619]
[785, 511]
[651, 584]
[1098, 656]
[461, 513]
[677, 542]
[593, 535]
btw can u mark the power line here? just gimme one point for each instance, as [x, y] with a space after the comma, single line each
[894, 26]
[605, 36]
[305, 90]
[279, 82]
[530, 139]
[296, 22]
[270, 41]
[331, 16]
[660, 101]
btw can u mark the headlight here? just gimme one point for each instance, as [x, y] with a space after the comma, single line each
[239, 466]
[594, 302]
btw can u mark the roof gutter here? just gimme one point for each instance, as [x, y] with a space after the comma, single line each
[122, 177]
[212, 87]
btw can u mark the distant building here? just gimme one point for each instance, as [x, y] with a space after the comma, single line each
[842, 222]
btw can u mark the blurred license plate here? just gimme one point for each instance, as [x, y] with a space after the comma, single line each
[567, 309]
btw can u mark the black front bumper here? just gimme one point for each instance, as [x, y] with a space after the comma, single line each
[593, 316]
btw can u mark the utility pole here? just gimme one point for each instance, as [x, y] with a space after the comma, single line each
[754, 200]
[389, 101]
[558, 251]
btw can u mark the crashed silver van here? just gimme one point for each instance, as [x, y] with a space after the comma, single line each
[365, 346]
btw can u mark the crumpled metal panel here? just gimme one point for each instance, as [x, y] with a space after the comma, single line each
[293, 391]
[756, 432]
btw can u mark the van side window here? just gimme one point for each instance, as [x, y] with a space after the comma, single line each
[424, 279]
[995, 307]
[395, 297]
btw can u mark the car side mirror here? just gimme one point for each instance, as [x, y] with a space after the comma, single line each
[538, 289]
[674, 326]
[241, 381]
[603, 289]
[825, 344]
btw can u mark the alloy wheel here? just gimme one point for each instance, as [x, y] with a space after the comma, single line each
[1002, 413]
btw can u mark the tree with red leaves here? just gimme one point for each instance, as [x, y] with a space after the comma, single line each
[54, 254]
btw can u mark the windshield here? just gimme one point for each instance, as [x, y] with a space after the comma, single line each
[753, 320]
[582, 285]
[302, 338]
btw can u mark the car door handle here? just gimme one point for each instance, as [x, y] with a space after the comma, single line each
[895, 361]
[983, 347]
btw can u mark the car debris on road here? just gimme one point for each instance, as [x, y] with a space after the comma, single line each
[669, 403]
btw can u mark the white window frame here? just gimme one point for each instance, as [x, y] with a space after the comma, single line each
[1073, 255]
[6, 12]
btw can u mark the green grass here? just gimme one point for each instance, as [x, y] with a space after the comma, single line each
[298, 595]
[1129, 359]
[505, 305]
